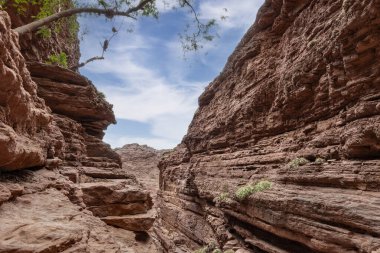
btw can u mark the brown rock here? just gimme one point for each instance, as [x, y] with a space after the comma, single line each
[104, 193]
[139, 222]
[120, 209]
[141, 161]
[26, 129]
[49, 222]
[303, 83]
[5, 194]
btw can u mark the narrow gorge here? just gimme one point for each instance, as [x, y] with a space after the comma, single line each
[282, 155]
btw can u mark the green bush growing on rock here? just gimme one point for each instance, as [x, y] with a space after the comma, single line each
[262, 186]
[244, 192]
[223, 198]
[229, 251]
[202, 250]
[295, 163]
[247, 190]
[320, 161]
[210, 248]
[58, 59]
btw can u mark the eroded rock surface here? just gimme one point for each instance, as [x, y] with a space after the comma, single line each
[58, 179]
[142, 162]
[304, 82]
[26, 128]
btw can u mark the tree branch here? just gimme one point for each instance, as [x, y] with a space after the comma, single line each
[96, 58]
[67, 13]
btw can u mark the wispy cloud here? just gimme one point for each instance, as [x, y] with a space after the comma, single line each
[146, 78]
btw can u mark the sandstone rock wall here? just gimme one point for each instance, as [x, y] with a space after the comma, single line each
[304, 82]
[60, 185]
[27, 129]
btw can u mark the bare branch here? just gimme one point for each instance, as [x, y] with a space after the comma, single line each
[96, 58]
[67, 13]
[104, 49]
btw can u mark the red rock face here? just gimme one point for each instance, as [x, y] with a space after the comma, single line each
[304, 82]
[26, 131]
[52, 121]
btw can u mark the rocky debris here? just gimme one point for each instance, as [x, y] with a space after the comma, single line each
[296, 106]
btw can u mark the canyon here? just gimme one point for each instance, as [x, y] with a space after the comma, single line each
[296, 108]
[282, 155]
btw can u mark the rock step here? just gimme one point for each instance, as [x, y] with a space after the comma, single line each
[137, 223]
[115, 192]
[101, 164]
[106, 173]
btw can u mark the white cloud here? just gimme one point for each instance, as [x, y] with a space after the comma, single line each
[140, 90]
[240, 14]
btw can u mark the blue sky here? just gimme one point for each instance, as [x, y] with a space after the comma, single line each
[153, 88]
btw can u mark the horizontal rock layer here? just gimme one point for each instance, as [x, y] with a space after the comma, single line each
[52, 121]
[304, 82]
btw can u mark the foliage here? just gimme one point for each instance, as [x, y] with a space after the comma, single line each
[47, 8]
[223, 197]
[295, 163]
[262, 186]
[58, 59]
[101, 94]
[44, 32]
[201, 250]
[320, 161]
[247, 190]
[210, 248]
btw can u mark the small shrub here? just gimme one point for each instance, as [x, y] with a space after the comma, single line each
[320, 161]
[298, 162]
[247, 190]
[44, 32]
[229, 251]
[58, 59]
[223, 198]
[244, 192]
[211, 248]
[262, 186]
[202, 250]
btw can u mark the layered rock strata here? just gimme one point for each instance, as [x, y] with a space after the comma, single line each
[60, 185]
[297, 106]
[27, 128]
[142, 162]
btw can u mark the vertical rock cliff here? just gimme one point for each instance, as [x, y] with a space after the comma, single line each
[61, 188]
[283, 153]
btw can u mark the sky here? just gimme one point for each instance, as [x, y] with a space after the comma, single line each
[153, 85]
